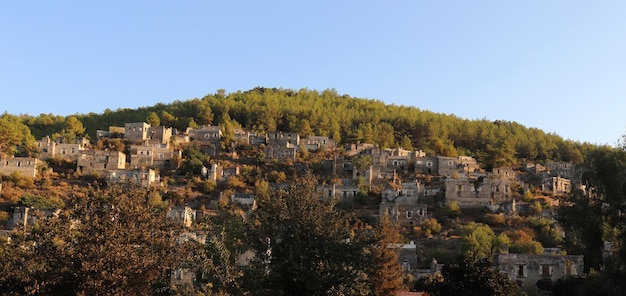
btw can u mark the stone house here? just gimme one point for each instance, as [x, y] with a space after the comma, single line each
[362, 148]
[57, 148]
[112, 132]
[153, 155]
[426, 165]
[504, 172]
[407, 256]
[182, 214]
[556, 185]
[100, 161]
[563, 169]
[136, 131]
[28, 216]
[242, 136]
[280, 139]
[247, 200]
[281, 153]
[340, 191]
[230, 172]
[314, 143]
[528, 269]
[445, 166]
[205, 133]
[257, 140]
[159, 134]
[25, 166]
[478, 192]
[405, 213]
[144, 177]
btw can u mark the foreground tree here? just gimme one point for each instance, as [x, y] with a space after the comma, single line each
[595, 215]
[386, 274]
[305, 246]
[471, 277]
[107, 241]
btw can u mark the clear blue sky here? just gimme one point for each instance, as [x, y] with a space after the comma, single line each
[556, 65]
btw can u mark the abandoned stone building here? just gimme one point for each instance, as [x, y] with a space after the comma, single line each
[478, 192]
[27, 216]
[445, 166]
[561, 169]
[58, 148]
[314, 143]
[100, 161]
[556, 186]
[183, 214]
[528, 269]
[159, 134]
[280, 153]
[153, 155]
[143, 177]
[341, 191]
[280, 139]
[205, 133]
[25, 166]
[136, 131]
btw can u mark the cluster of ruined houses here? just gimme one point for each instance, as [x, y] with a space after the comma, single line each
[463, 180]
[152, 148]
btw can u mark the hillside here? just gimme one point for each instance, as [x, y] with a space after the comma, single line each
[346, 120]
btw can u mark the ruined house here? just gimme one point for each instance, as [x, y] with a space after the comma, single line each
[314, 143]
[143, 177]
[528, 269]
[25, 166]
[59, 148]
[478, 191]
[136, 131]
[182, 214]
[100, 161]
[556, 186]
[205, 133]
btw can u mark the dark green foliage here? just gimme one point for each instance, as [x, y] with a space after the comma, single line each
[346, 120]
[306, 246]
[193, 161]
[471, 277]
[40, 202]
[15, 137]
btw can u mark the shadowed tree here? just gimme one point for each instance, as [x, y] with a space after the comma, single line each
[305, 246]
[107, 241]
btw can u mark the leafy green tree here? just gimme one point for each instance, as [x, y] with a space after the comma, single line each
[72, 129]
[153, 119]
[305, 246]
[601, 205]
[15, 137]
[40, 202]
[471, 277]
[361, 162]
[193, 161]
[167, 119]
[479, 241]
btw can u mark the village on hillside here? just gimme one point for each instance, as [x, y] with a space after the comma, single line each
[427, 196]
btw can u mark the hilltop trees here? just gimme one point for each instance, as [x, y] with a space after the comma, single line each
[346, 120]
[15, 137]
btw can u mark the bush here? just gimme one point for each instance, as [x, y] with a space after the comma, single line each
[430, 227]
[453, 210]
[40, 202]
[494, 219]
